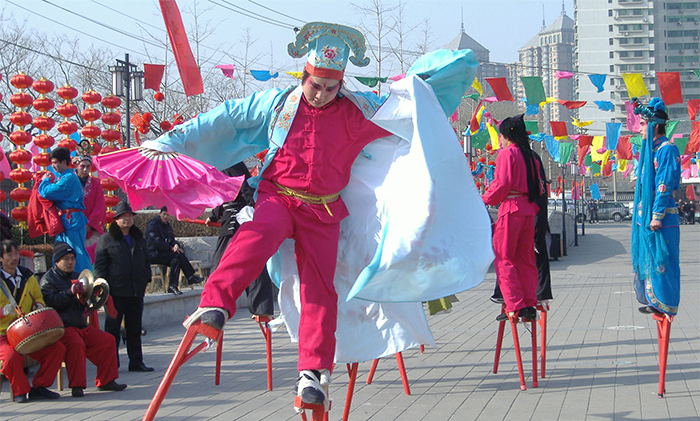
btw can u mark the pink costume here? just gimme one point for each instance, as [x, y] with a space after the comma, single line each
[315, 159]
[94, 201]
[514, 233]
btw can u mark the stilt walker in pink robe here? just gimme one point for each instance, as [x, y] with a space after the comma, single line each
[93, 199]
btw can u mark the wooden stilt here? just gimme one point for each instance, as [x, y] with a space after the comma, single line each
[513, 320]
[543, 308]
[663, 336]
[352, 374]
[402, 372]
[263, 323]
[182, 355]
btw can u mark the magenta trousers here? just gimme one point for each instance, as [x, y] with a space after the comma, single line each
[514, 249]
[277, 218]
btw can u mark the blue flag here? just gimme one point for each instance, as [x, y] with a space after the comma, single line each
[598, 81]
[595, 192]
[552, 147]
[612, 134]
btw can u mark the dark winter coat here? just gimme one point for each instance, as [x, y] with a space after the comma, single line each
[159, 237]
[226, 212]
[55, 287]
[126, 269]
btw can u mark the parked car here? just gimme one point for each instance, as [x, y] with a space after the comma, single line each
[556, 204]
[608, 209]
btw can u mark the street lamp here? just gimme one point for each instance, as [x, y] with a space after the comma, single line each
[126, 74]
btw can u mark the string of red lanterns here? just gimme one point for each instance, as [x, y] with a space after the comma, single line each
[20, 156]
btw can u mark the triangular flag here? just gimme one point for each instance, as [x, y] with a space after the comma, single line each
[565, 149]
[624, 149]
[671, 128]
[635, 85]
[681, 143]
[585, 140]
[560, 74]
[295, 74]
[500, 88]
[598, 81]
[694, 140]
[558, 129]
[632, 118]
[534, 90]
[612, 133]
[670, 87]
[476, 85]
[570, 105]
[532, 126]
[580, 123]
[693, 108]
[480, 139]
[226, 69]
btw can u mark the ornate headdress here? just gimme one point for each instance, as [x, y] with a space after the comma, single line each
[83, 152]
[329, 46]
[654, 111]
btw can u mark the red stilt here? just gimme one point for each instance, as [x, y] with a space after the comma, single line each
[352, 374]
[402, 373]
[263, 323]
[663, 336]
[499, 341]
[181, 356]
[543, 308]
[534, 353]
[422, 349]
[372, 369]
[516, 344]
[318, 412]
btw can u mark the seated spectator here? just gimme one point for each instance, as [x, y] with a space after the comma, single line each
[22, 287]
[164, 250]
[80, 339]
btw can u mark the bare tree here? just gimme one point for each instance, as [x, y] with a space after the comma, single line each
[378, 31]
[401, 29]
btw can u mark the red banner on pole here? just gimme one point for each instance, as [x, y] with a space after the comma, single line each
[186, 65]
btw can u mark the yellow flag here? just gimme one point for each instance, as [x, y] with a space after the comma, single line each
[597, 144]
[550, 99]
[606, 156]
[476, 85]
[493, 135]
[635, 84]
[621, 165]
[581, 123]
[294, 74]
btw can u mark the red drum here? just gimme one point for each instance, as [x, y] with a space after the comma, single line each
[35, 331]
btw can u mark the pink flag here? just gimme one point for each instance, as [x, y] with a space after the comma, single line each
[559, 74]
[226, 69]
[632, 118]
[397, 77]
[186, 66]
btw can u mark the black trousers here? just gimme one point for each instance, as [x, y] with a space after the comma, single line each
[259, 292]
[544, 278]
[175, 261]
[131, 310]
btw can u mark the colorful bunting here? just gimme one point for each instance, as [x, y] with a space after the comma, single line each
[635, 85]
[571, 105]
[397, 77]
[263, 75]
[621, 165]
[581, 152]
[693, 108]
[671, 128]
[370, 81]
[226, 69]
[604, 105]
[476, 85]
[560, 74]
[636, 140]
[580, 123]
[681, 143]
[480, 139]
[670, 87]
[565, 149]
[532, 126]
[585, 140]
[694, 140]
[632, 118]
[296, 75]
[558, 129]
[474, 97]
[475, 120]
[606, 169]
[552, 147]
[624, 149]
[612, 133]
[493, 135]
[534, 90]
[598, 81]
[597, 145]
[500, 88]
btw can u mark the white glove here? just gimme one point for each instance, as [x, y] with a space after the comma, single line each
[245, 215]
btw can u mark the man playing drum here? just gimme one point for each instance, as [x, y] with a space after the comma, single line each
[22, 287]
[81, 340]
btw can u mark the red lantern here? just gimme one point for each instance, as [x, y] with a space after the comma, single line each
[43, 123]
[111, 200]
[478, 185]
[67, 92]
[90, 114]
[43, 86]
[111, 119]
[43, 104]
[67, 110]
[147, 116]
[20, 194]
[2, 195]
[21, 100]
[158, 96]
[109, 217]
[96, 148]
[488, 147]
[2, 177]
[108, 184]
[491, 163]
[20, 175]
[111, 135]
[20, 156]
[111, 101]
[143, 129]
[482, 159]
[21, 81]
[67, 128]
[19, 213]
[20, 118]
[108, 148]
[91, 97]
[42, 159]
[90, 132]
[20, 137]
[43, 141]
[67, 143]
[165, 126]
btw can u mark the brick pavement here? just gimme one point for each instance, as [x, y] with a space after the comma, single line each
[601, 360]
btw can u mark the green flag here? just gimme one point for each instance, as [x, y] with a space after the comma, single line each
[565, 152]
[680, 143]
[532, 127]
[636, 140]
[370, 81]
[670, 128]
[595, 168]
[587, 161]
[474, 97]
[697, 73]
[480, 139]
[534, 90]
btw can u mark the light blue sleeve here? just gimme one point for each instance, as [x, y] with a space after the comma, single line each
[450, 73]
[227, 134]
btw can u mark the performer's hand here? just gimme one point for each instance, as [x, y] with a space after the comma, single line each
[654, 224]
[208, 221]
[77, 289]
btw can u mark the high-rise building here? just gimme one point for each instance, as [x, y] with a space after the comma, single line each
[552, 49]
[634, 36]
[486, 68]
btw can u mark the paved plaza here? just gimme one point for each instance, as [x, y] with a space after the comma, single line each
[601, 360]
